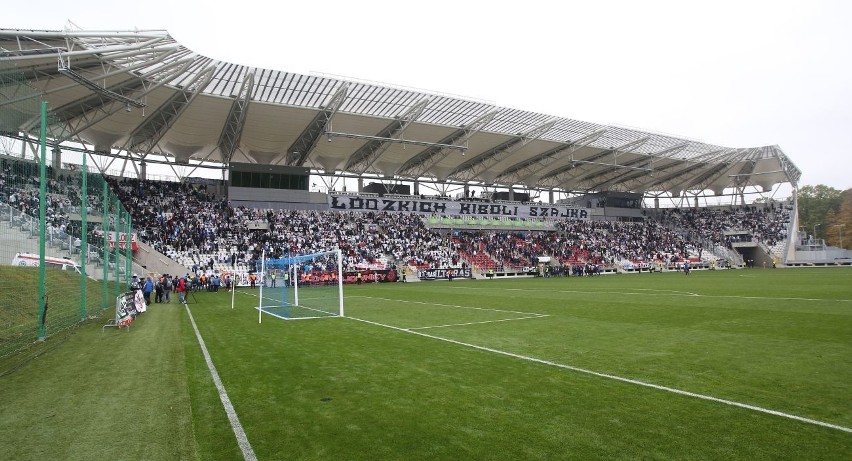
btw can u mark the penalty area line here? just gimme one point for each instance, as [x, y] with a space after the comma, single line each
[537, 316]
[239, 433]
[449, 305]
[618, 378]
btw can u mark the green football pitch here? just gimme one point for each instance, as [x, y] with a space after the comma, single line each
[738, 364]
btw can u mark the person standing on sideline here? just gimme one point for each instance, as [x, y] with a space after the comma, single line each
[272, 278]
[167, 289]
[135, 284]
[158, 290]
[147, 289]
[358, 277]
[180, 288]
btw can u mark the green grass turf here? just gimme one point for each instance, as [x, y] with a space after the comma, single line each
[341, 388]
[19, 314]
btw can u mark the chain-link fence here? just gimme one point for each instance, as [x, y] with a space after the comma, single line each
[65, 239]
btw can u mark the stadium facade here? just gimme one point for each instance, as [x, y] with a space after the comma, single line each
[131, 99]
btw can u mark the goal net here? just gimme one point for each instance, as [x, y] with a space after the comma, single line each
[302, 287]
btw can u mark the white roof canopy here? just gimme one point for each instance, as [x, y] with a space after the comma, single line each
[141, 94]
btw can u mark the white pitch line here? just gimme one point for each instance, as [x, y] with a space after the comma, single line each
[242, 439]
[449, 305]
[478, 323]
[665, 293]
[686, 293]
[619, 378]
[289, 318]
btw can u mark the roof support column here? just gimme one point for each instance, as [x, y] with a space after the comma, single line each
[57, 159]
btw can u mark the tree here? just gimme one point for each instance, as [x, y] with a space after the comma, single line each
[839, 224]
[815, 202]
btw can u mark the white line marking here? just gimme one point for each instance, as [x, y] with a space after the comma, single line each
[292, 305]
[477, 323]
[242, 440]
[526, 315]
[670, 293]
[449, 305]
[619, 378]
[686, 293]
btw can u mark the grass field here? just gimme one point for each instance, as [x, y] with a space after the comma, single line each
[743, 364]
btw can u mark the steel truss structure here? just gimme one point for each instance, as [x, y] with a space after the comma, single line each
[140, 96]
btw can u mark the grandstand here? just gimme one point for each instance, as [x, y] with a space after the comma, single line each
[547, 186]
[415, 186]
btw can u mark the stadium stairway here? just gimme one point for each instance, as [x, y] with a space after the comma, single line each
[16, 238]
[150, 260]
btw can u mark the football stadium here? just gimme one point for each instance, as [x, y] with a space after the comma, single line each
[206, 260]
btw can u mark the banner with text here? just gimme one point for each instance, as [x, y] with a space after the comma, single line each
[435, 273]
[453, 207]
[128, 306]
[122, 240]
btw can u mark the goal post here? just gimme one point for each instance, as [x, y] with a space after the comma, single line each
[302, 286]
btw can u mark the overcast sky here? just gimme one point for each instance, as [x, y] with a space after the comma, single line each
[733, 73]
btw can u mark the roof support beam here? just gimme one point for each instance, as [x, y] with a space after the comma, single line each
[99, 98]
[421, 163]
[473, 167]
[85, 113]
[624, 176]
[692, 165]
[363, 158]
[65, 69]
[23, 55]
[560, 176]
[299, 151]
[229, 138]
[704, 181]
[521, 171]
[146, 136]
[684, 178]
[33, 73]
[790, 170]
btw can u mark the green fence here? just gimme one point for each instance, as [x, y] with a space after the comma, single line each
[65, 239]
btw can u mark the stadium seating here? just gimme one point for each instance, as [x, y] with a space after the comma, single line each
[193, 227]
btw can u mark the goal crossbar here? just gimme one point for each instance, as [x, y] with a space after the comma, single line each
[323, 295]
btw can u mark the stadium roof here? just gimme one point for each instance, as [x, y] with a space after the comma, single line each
[143, 95]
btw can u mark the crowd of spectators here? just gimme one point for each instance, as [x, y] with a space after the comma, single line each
[765, 223]
[185, 219]
[19, 190]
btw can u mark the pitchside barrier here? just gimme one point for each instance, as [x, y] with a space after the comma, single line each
[127, 307]
[52, 212]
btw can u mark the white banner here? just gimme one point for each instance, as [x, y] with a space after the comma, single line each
[454, 208]
[128, 306]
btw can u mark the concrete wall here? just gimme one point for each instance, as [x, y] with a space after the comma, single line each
[277, 199]
[151, 260]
